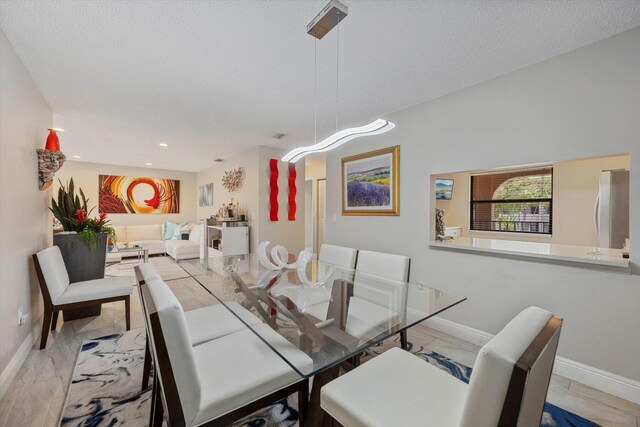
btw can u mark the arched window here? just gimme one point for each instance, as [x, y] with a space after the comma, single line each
[515, 201]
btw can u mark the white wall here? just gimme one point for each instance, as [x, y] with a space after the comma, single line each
[575, 189]
[85, 176]
[582, 104]
[254, 197]
[290, 234]
[25, 222]
[246, 196]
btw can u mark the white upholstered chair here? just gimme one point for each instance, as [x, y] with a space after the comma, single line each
[394, 268]
[220, 381]
[508, 385]
[336, 255]
[203, 324]
[59, 294]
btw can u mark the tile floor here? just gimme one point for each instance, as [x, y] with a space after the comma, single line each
[36, 396]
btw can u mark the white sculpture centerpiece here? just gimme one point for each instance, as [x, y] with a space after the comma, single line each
[302, 295]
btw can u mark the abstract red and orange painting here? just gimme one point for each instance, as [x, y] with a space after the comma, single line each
[138, 195]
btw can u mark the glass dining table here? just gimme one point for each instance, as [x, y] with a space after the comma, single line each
[330, 313]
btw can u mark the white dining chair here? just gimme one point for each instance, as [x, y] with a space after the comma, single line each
[508, 385]
[395, 269]
[339, 256]
[58, 293]
[220, 381]
[204, 323]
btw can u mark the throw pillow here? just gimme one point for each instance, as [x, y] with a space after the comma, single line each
[168, 229]
[180, 228]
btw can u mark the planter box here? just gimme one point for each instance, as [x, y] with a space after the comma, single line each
[82, 264]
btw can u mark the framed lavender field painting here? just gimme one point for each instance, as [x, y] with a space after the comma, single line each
[370, 183]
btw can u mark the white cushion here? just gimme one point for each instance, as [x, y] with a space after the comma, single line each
[366, 320]
[215, 321]
[494, 366]
[302, 296]
[395, 389]
[54, 271]
[182, 249]
[319, 311]
[96, 289]
[176, 335]
[338, 255]
[144, 232]
[239, 368]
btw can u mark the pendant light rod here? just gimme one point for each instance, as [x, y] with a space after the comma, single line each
[337, 68]
[328, 18]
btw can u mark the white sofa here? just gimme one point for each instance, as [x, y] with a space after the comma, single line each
[150, 237]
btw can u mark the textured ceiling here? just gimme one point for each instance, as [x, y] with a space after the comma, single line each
[212, 79]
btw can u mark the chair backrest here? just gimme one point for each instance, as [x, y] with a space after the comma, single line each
[373, 268]
[52, 273]
[148, 272]
[511, 374]
[173, 353]
[338, 255]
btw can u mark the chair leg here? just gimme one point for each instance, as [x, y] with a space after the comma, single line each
[157, 410]
[303, 401]
[127, 311]
[46, 324]
[356, 360]
[403, 340]
[146, 368]
[54, 320]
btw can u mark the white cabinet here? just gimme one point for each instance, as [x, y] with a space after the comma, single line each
[223, 241]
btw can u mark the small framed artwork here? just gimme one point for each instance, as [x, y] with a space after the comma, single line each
[205, 195]
[371, 183]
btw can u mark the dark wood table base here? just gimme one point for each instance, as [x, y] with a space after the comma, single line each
[316, 417]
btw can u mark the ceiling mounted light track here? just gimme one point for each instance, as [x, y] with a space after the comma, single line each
[329, 18]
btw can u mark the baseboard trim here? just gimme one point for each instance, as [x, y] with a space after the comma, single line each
[616, 385]
[10, 372]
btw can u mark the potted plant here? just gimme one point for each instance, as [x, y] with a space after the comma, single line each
[83, 242]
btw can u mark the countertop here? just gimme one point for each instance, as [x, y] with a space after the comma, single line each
[582, 254]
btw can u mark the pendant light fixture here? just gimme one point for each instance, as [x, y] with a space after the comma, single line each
[328, 18]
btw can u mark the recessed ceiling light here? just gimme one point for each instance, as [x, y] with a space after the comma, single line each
[163, 144]
[76, 157]
[148, 164]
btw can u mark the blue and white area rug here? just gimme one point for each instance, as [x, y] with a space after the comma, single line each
[105, 388]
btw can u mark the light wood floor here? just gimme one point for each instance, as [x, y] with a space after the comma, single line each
[36, 395]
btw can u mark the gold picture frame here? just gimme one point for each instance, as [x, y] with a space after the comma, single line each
[375, 183]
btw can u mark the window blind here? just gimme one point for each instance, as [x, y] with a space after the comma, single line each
[519, 201]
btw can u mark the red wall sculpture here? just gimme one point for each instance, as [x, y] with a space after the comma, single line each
[273, 196]
[292, 191]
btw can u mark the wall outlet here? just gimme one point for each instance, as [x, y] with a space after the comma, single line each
[22, 317]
